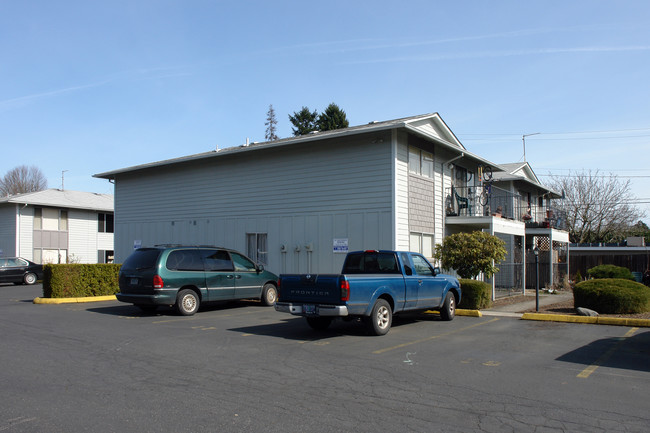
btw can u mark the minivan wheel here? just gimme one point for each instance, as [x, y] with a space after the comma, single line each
[187, 302]
[269, 294]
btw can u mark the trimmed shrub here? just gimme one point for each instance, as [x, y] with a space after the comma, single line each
[80, 280]
[610, 271]
[612, 296]
[475, 294]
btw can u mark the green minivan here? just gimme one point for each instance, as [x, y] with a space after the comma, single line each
[186, 276]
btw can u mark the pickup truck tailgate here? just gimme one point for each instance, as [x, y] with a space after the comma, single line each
[312, 289]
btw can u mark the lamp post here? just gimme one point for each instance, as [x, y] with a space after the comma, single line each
[536, 252]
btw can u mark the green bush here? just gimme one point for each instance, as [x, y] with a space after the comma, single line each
[612, 296]
[475, 294]
[610, 271]
[77, 280]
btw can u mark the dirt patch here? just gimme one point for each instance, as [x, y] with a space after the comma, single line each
[565, 307]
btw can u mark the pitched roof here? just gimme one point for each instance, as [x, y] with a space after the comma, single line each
[522, 172]
[430, 126]
[64, 199]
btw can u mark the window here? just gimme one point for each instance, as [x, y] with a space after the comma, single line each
[242, 263]
[217, 261]
[50, 219]
[38, 218]
[256, 247]
[105, 223]
[63, 221]
[185, 260]
[421, 243]
[370, 263]
[420, 162]
[105, 256]
[422, 267]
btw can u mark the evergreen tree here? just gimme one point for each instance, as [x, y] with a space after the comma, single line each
[271, 122]
[332, 118]
[304, 121]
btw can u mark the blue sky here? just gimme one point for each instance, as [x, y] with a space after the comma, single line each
[88, 86]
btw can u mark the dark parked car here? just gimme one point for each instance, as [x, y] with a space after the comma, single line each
[19, 271]
[186, 276]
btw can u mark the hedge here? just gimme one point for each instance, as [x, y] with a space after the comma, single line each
[612, 296]
[80, 280]
[610, 271]
[475, 294]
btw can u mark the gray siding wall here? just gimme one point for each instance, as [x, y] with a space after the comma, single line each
[8, 230]
[308, 194]
[421, 204]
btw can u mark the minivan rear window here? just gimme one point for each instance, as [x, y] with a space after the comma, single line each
[143, 258]
[185, 260]
[371, 263]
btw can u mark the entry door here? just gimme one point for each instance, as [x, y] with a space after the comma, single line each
[430, 289]
[248, 283]
[219, 275]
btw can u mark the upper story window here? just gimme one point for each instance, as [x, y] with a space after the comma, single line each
[105, 223]
[50, 219]
[420, 162]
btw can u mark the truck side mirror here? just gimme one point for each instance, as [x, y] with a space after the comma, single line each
[259, 267]
[436, 271]
[408, 270]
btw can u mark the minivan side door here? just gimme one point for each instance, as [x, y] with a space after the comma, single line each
[248, 283]
[219, 275]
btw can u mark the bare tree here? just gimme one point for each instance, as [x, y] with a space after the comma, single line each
[599, 208]
[22, 179]
[271, 122]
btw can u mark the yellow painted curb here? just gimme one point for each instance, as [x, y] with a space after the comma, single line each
[471, 313]
[616, 321]
[74, 300]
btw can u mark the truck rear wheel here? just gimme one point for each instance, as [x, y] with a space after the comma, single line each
[381, 318]
[319, 323]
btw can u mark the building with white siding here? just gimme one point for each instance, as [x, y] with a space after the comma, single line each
[299, 204]
[55, 226]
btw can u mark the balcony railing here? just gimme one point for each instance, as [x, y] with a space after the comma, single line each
[497, 202]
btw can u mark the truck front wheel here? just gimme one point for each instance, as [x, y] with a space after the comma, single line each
[448, 310]
[319, 323]
[381, 317]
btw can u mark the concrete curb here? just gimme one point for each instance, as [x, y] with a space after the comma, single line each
[74, 300]
[615, 321]
[471, 313]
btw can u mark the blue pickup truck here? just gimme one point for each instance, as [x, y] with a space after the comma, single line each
[373, 286]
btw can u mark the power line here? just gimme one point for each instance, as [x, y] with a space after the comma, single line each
[566, 133]
[594, 176]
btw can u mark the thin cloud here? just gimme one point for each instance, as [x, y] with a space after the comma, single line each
[505, 53]
[138, 74]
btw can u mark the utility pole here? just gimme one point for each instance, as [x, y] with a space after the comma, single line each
[62, 173]
[523, 138]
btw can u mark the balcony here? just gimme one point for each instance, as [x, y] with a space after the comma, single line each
[497, 202]
[477, 202]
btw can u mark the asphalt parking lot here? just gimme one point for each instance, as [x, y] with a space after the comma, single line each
[107, 366]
